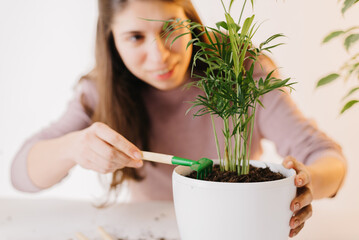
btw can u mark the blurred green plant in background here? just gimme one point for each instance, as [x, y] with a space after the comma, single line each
[350, 68]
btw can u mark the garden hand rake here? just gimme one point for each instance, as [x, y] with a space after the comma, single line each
[203, 166]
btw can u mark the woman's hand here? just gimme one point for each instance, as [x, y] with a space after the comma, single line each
[301, 204]
[103, 150]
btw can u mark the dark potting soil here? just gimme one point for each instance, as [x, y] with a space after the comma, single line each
[255, 175]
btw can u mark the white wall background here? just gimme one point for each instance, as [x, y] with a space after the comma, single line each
[46, 45]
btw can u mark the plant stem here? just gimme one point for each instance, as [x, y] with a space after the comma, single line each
[230, 147]
[226, 140]
[235, 150]
[216, 138]
[250, 138]
[244, 145]
[239, 142]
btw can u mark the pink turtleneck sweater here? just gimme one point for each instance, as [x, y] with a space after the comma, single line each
[173, 132]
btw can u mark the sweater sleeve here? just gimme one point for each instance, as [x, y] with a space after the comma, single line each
[282, 122]
[74, 118]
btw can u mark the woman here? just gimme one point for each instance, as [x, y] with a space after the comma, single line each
[133, 99]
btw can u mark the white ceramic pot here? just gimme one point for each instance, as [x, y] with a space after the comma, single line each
[231, 211]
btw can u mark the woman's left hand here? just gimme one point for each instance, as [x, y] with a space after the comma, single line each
[301, 204]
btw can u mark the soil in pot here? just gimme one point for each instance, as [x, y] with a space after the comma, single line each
[255, 175]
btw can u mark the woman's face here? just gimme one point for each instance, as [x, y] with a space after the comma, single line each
[145, 53]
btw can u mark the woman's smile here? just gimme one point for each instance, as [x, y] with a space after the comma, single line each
[164, 73]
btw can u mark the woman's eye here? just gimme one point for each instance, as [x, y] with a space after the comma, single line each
[170, 29]
[135, 38]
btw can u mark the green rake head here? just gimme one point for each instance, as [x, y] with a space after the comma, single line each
[203, 167]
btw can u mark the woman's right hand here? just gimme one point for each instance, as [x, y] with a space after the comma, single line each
[103, 150]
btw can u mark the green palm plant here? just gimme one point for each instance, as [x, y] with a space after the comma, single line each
[230, 91]
[350, 69]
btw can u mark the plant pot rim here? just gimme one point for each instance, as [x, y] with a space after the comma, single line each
[180, 172]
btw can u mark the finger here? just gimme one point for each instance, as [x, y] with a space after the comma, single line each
[304, 198]
[105, 165]
[99, 164]
[90, 163]
[294, 232]
[108, 152]
[300, 217]
[117, 140]
[288, 162]
[291, 162]
[303, 177]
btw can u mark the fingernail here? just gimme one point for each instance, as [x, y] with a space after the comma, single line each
[139, 164]
[137, 155]
[300, 182]
[289, 164]
[296, 223]
[296, 207]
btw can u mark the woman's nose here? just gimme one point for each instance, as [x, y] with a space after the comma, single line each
[159, 52]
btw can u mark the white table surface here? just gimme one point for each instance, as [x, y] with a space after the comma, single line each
[30, 219]
[53, 219]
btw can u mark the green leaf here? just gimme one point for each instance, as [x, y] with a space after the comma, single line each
[234, 41]
[351, 29]
[270, 47]
[332, 35]
[220, 33]
[205, 45]
[351, 92]
[246, 25]
[327, 79]
[191, 41]
[351, 70]
[260, 103]
[350, 40]
[215, 46]
[271, 38]
[347, 4]
[348, 105]
[222, 24]
[165, 25]
[179, 36]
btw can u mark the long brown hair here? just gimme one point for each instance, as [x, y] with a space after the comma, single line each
[120, 104]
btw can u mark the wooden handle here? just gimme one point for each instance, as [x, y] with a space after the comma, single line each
[104, 234]
[157, 157]
[80, 236]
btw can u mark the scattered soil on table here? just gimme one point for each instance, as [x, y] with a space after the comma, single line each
[255, 175]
